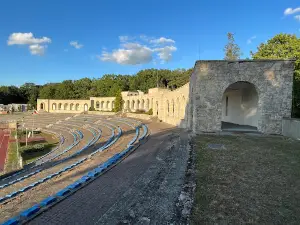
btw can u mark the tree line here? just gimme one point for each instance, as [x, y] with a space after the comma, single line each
[106, 86]
[281, 46]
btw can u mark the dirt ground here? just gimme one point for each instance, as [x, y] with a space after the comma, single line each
[247, 180]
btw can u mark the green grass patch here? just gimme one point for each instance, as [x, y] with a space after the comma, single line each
[254, 180]
[12, 162]
[32, 152]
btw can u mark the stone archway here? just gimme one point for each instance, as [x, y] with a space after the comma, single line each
[54, 106]
[77, 107]
[71, 106]
[86, 107]
[42, 106]
[59, 106]
[240, 107]
[143, 104]
[66, 106]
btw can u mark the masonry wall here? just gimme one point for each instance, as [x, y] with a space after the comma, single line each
[291, 128]
[273, 81]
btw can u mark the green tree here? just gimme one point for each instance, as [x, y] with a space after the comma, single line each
[118, 102]
[232, 50]
[284, 46]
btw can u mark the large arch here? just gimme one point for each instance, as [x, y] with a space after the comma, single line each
[240, 106]
[178, 108]
[113, 104]
[138, 104]
[107, 104]
[86, 107]
[77, 107]
[102, 105]
[59, 106]
[132, 105]
[97, 105]
[148, 104]
[127, 104]
[54, 106]
[168, 108]
[173, 108]
[66, 106]
[71, 106]
[42, 106]
[143, 104]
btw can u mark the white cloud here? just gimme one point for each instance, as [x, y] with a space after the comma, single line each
[37, 49]
[249, 41]
[162, 40]
[76, 45]
[290, 11]
[130, 54]
[36, 45]
[123, 38]
[297, 17]
[133, 53]
[26, 39]
[165, 53]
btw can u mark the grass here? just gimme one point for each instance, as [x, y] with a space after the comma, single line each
[49, 138]
[255, 180]
[12, 156]
[51, 141]
[31, 156]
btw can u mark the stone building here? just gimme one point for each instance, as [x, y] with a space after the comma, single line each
[221, 95]
[250, 94]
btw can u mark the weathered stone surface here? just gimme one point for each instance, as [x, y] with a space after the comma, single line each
[273, 80]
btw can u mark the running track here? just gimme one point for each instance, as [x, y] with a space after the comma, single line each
[4, 138]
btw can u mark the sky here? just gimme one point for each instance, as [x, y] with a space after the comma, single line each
[51, 41]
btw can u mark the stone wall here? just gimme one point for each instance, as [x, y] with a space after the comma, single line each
[198, 104]
[273, 80]
[291, 128]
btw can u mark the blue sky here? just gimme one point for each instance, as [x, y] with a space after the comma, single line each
[122, 37]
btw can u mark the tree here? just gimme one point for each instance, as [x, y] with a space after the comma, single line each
[284, 46]
[118, 102]
[232, 50]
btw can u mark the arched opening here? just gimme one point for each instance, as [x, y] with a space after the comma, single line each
[77, 107]
[173, 108]
[42, 106]
[72, 107]
[86, 107]
[168, 108]
[107, 104]
[66, 106]
[157, 108]
[178, 108]
[138, 104]
[102, 104]
[54, 106]
[132, 104]
[113, 104]
[143, 104]
[147, 104]
[240, 107]
[127, 104]
[59, 106]
[97, 104]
